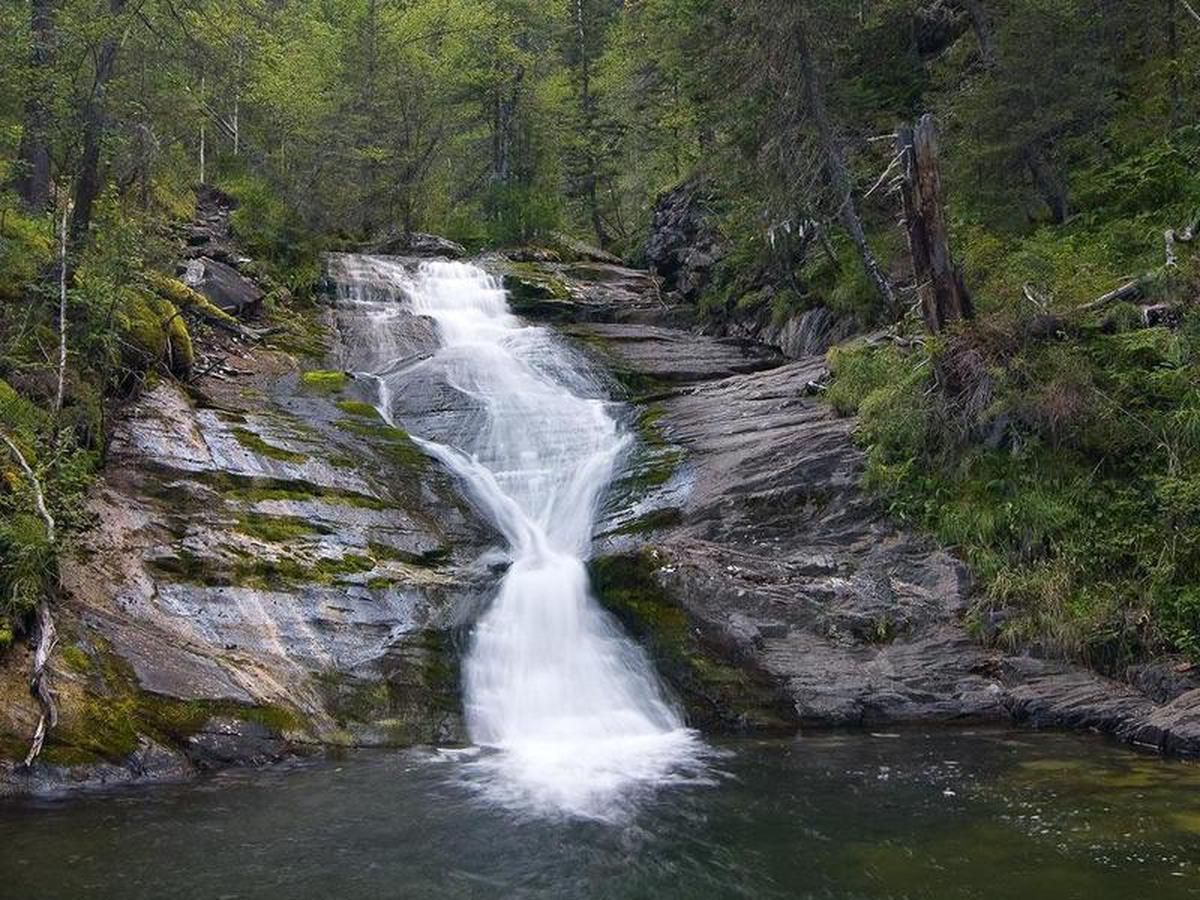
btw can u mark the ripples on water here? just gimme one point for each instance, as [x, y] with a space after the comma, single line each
[935, 816]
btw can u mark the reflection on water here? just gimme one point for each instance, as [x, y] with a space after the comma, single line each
[912, 815]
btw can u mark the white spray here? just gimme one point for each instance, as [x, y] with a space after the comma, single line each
[571, 709]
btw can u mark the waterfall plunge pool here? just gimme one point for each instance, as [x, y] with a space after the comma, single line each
[936, 814]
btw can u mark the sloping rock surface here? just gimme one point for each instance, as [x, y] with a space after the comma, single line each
[271, 568]
[740, 509]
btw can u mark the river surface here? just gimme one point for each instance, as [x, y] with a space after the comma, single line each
[915, 814]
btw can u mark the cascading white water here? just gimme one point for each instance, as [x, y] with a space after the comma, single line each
[570, 707]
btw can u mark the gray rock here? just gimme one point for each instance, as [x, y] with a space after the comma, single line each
[684, 245]
[420, 244]
[223, 285]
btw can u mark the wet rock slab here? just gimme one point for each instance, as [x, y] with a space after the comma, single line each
[271, 568]
[788, 571]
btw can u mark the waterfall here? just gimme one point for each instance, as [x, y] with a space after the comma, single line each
[568, 710]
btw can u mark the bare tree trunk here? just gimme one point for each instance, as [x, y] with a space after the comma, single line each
[1048, 183]
[589, 121]
[46, 636]
[940, 286]
[1174, 90]
[981, 22]
[34, 182]
[203, 132]
[62, 312]
[87, 184]
[835, 163]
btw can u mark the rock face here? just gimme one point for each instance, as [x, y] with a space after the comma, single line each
[772, 591]
[684, 248]
[587, 291]
[419, 244]
[223, 285]
[272, 568]
[684, 245]
[806, 334]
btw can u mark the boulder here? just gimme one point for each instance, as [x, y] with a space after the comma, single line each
[224, 286]
[684, 245]
[418, 243]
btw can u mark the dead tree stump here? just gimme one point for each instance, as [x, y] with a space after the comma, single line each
[940, 286]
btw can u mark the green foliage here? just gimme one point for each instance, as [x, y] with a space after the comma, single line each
[1068, 476]
[272, 231]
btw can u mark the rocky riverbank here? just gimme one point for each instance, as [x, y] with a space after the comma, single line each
[271, 569]
[775, 593]
[274, 569]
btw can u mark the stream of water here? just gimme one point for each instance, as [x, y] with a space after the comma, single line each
[570, 714]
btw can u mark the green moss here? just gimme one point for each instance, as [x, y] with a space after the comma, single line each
[75, 657]
[394, 442]
[649, 426]
[184, 298]
[286, 572]
[186, 566]
[276, 529]
[155, 333]
[434, 557]
[253, 441]
[324, 381]
[114, 713]
[537, 292]
[652, 521]
[358, 408]
[718, 695]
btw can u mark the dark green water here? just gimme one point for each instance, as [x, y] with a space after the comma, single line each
[916, 815]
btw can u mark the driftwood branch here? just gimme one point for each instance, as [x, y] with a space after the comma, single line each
[46, 635]
[1128, 291]
[1135, 288]
[47, 638]
[39, 498]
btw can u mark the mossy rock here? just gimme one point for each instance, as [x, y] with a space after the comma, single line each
[358, 408]
[418, 701]
[155, 334]
[107, 721]
[718, 694]
[325, 381]
[256, 444]
[185, 298]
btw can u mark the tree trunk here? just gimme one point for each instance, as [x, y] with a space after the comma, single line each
[1048, 184]
[838, 170]
[940, 286]
[87, 184]
[589, 128]
[1174, 89]
[981, 22]
[34, 183]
